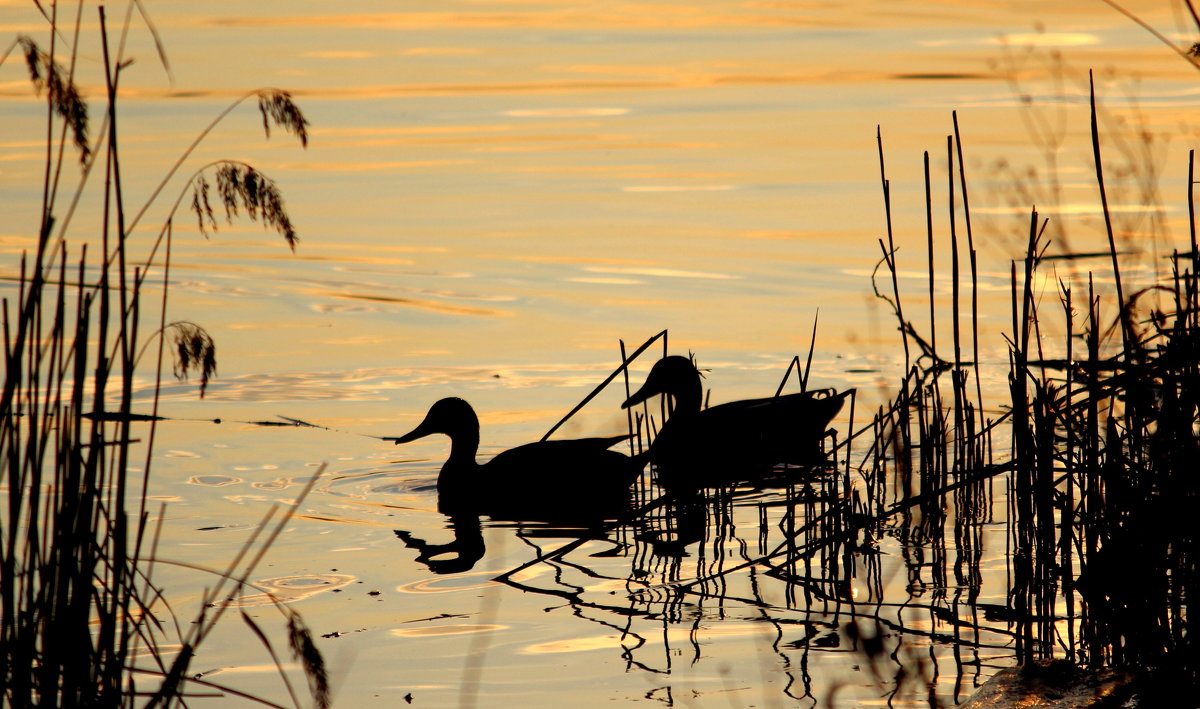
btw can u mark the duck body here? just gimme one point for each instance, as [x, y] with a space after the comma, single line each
[738, 440]
[548, 480]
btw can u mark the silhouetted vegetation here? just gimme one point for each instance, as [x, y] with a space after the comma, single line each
[1100, 423]
[82, 620]
[1087, 465]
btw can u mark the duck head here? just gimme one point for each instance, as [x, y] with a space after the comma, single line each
[452, 417]
[674, 375]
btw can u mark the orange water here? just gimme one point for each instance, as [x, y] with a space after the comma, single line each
[495, 194]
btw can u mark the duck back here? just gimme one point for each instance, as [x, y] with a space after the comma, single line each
[562, 481]
[743, 440]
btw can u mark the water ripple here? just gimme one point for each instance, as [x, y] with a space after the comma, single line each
[289, 589]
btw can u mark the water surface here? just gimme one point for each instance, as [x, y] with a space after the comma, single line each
[496, 194]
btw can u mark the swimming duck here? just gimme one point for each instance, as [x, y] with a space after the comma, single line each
[546, 480]
[733, 441]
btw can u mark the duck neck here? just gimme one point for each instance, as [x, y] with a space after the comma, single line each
[687, 399]
[463, 447]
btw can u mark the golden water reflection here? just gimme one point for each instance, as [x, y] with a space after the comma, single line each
[493, 197]
[673, 635]
[443, 630]
[449, 584]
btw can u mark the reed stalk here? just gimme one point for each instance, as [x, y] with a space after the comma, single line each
[1101, 559]
[79, 607]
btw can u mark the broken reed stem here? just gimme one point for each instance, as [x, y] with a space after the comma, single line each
[801, 372]
[626, 361]
[635, 446]
[1067, 533]
[1127, 336]
[1191, 201]
[960, 403]
[975, 353]
[812, 346]
[889, 253]
[930, 251]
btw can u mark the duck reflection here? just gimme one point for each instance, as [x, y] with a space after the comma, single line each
[468, 546]
[738, 440]
[565, 480]
[676, 523]
[453, 557]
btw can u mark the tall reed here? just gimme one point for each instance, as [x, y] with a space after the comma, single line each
[1103, 415]
[79, 607]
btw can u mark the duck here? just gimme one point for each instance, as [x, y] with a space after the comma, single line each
[738, 440]
[560, 480]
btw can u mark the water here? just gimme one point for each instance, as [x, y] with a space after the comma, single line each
[494, 195]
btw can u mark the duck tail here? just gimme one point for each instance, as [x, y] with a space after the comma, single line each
[828, 406]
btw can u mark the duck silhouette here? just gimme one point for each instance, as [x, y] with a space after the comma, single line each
[738, 440]
[562, 480]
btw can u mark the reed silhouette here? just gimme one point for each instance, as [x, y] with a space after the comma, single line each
[1101, 415]
[737, 440]
[1091, 503]
[83, 621]
[545, 480]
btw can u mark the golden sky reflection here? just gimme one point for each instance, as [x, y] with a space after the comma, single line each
[564, 112]
[660, 272]
[468, 581]
[495, 193]
[605, 281]
[373, 384]
[679, 188]
[344, 54]
[643, 79]
[1022, 39]
[444, 630]
[423, 304]
[1082, 209]
[674, 635]
[370, 166]
[616, 16]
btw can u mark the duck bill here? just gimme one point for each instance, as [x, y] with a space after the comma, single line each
[638, 397]
[424, 429]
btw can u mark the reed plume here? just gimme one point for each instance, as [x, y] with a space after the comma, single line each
[277, 107]
[241, 186]
[62, 92]
[194, 351]
[80, 614]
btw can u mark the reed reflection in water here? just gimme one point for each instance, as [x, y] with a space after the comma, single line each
[794, 560]
[791, 570]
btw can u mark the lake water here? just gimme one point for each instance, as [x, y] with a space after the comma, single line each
[495, 195]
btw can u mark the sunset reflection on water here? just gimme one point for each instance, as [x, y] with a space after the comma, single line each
[497, 194]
